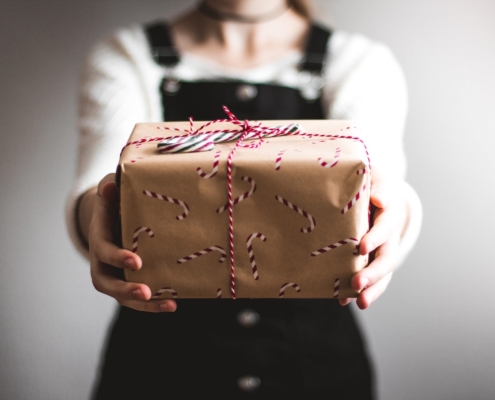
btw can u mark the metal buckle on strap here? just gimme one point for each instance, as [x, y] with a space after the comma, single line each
[310, 84]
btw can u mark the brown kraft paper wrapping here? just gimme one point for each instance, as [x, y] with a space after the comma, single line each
[292, 228]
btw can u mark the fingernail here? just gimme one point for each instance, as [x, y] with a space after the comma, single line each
[129, 263]
[164, 307]
[136, 293]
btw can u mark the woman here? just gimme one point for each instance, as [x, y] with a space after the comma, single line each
[266, 59]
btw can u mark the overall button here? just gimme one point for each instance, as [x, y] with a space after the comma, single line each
[249, 383]
[248, 318]
[171, 86]
[246, 92]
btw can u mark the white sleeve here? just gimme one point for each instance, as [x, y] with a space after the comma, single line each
[113, 97]
[366, 84]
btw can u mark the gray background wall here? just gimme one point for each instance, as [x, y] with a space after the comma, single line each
[432, 333]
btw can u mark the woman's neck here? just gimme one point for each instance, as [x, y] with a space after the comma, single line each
[238, 44]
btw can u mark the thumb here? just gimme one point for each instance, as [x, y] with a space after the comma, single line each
[107, 189]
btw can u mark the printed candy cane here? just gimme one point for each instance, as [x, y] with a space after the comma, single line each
[251, 253]
[242, 196]
[219, 293]
[278, 160]
[170, 200]
[185, 144]
[214, 170]
[286, 285]
[311, 219]
[136, 234]
[164, 290]
[205, 251]
[334, 246]
[353, 200]
[361, 171]
[336, 288]
[336, 160]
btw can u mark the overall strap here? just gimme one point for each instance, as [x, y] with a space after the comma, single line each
[316, 49]
[165, 53]
[160, 42]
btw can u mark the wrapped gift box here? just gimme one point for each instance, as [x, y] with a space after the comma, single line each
[300, 208]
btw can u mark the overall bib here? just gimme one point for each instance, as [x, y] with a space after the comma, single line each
[243, 348]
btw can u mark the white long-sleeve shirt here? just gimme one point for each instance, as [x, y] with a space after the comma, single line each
[120, 87]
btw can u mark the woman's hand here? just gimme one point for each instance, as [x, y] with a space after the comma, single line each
[390, 217]
[109, 260]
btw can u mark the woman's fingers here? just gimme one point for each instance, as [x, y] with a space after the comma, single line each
[134, 295]
[373, 280]
[108, 260]
[370, 294]
[155, 306]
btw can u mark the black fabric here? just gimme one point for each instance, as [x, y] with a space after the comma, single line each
[316, 49]
[310, 349]
[306, 348]
[271, 102]
[165, 53]
[160, 42]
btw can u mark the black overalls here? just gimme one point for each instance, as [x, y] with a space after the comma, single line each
[236, 349]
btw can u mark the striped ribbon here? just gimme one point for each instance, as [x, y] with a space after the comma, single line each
[199, 139]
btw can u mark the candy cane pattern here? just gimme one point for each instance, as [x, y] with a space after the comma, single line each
[136, 234]
[165, 290]
[336, 160]
[361, 171]
[185, 144]
[214, 170]
[334, 246]
[251, 253]
[336, 288]
[205, 251]
[219, 293]
[278, 160]
[286, 285]
[170, 200]
[353, 200]
[242, 196]
[311, 219]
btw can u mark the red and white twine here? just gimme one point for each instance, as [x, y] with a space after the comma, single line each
[242, 196]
